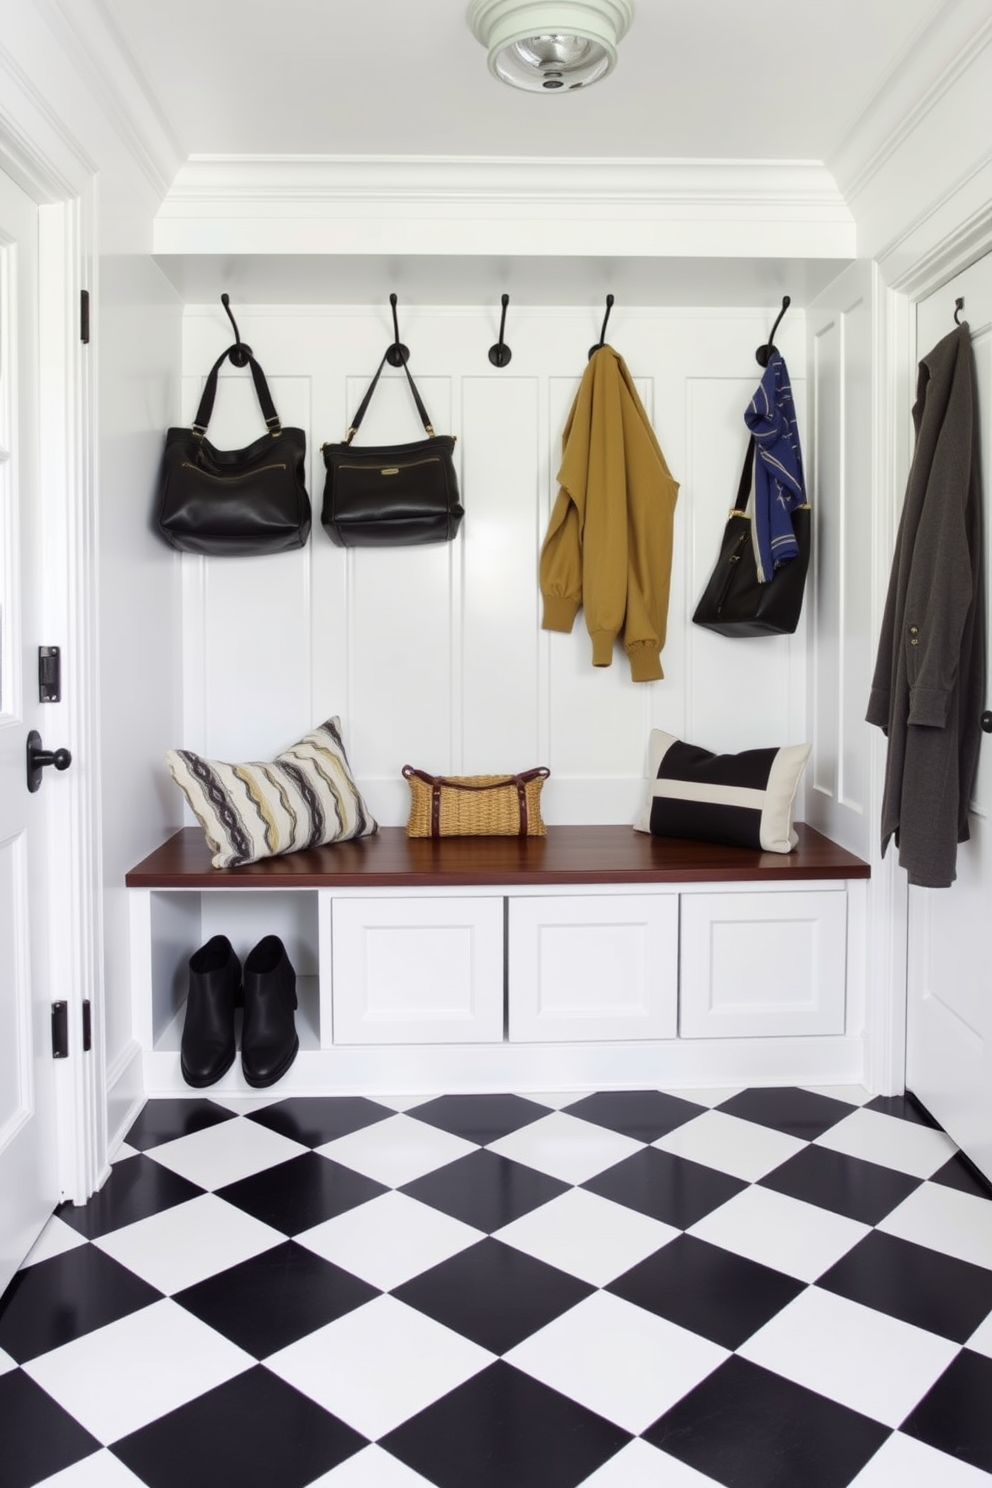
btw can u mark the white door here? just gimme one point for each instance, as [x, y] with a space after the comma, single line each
[28, 1168]
[949, 1036]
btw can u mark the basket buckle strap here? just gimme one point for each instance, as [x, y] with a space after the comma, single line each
[522, 799]
[435, 807]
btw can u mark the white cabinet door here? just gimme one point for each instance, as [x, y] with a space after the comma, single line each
[763, 964]
[417, 971]
[593, 967]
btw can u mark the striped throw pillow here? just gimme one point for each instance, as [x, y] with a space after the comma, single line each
[305, 797]
[744, 799]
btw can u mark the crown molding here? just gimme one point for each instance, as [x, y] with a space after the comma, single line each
[623, 207]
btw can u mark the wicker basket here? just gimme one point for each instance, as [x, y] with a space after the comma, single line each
[475, 805]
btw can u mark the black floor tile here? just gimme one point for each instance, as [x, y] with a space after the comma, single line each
[314, 1120]
[64, 1297]
[959, 1173]
[707, 1290]
[955, 1415]
[748, 1428]
[502, 1429]
[37, 1437]
[479, 1118]
[665, 1187]
[485, 1189]
[164, 1120]
[253, 1432]
[275, 1298]
[493, 1294]
[296, 1195]
[644, 1115]
[846, 1185]
[799, 1113]
[906, 1107]
[915, 1284]
[136, 1189]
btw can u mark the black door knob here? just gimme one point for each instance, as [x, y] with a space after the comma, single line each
[38, 758]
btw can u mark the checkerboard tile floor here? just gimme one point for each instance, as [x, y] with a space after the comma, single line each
[782, 1288]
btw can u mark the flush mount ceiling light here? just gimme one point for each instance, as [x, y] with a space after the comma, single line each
[550, 46]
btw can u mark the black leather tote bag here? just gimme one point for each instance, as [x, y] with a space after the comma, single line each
[393, 495]
[734, 602]
[234, 502]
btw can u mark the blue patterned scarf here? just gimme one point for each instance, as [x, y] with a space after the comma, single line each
[778, 471]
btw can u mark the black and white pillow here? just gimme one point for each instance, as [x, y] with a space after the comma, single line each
[305, 797]
[744, 799]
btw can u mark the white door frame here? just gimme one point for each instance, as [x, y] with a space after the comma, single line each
[67, 413]
[896, 360]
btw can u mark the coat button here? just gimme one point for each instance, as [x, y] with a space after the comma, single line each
[914, 630]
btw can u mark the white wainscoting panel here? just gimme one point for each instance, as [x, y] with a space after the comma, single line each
[435, 656]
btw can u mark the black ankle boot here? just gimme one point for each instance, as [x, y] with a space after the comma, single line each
[208, 1049]
[268, 1041]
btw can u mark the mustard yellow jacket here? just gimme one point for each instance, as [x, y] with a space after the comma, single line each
[608, 546]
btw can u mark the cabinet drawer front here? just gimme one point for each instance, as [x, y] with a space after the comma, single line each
[763, 964]
[420, 971]
[590, 967]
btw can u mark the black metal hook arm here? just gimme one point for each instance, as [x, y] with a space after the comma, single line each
[397, 354]
[240, 351]
[958, 307]
[602, 334]
[500, 354]
[763, 353]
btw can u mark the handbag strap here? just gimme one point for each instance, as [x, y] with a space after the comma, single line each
[363, 406]
[744, 489]
[266, 404]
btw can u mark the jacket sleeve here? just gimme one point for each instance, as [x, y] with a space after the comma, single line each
[561, 565]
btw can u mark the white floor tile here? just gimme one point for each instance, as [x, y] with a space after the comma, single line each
[121, 1155]
[785, 1233]
[902, 1462]
[890, 1141]
[855, 1095]
[587, 1236]
[397, 1150]
[189, 1242]
[389, 1239]
[960, 1224]
[864, 1359]
[706, 1095]
[555, 1100]
[379, 1365]
[981, 1340]
[120, 1377]
[372, 1468]
[566, 1147]
[617, 1359]
[101, 1470]
[639, 1466]
[224, 1153]
[742, 1148]
[55, 1239]
[6, 1362]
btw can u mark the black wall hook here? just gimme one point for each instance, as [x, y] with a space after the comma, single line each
[240, 353]
[763, 353]
[500, 354]
[958, 307]
[602, 334]
[397, 354]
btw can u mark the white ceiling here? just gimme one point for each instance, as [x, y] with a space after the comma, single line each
[695, 79]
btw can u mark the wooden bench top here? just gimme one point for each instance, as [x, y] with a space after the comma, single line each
[567, 855]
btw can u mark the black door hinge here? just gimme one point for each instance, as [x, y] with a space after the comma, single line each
[87, 1025]
[84, 316]
[60, 1030]
[49, 674]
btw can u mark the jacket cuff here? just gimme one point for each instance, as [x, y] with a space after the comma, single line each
[559, 613]
[602, 647]
[928, 706]
[645, 664]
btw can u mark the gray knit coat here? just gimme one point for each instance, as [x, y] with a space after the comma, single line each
[929, 684]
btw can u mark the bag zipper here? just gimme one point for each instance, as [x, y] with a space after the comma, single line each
[245, 474]
[734, 557]
[395, 469]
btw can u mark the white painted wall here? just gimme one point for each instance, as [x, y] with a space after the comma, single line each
[435, 656]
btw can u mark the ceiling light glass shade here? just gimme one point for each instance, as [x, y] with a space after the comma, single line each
[550, 46]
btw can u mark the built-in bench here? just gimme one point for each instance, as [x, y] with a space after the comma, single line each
[596, 953]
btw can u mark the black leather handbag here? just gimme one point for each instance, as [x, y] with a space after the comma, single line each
[734, 602]
[234, 502]
[395, 495]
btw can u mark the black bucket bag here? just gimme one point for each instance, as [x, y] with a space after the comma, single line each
[234, 502]
[734, 602]
[395, 495]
